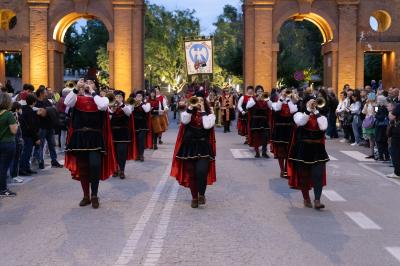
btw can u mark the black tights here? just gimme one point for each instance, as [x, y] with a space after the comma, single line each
[198, 183]
[121, 152]
[316, 172]
[92, 162]
[140, 141]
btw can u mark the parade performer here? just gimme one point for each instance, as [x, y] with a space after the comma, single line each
[228, 109]
[308, 157]
[242, 123]
[193, 163]
[259, 121]
[164, 115]
[158, 122]
[142, 122]
[282, 128]
[90, 150]
[122, 125]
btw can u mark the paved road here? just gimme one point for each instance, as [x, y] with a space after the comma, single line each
[252, 217]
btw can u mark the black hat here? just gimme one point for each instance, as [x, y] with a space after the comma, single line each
[119, 92]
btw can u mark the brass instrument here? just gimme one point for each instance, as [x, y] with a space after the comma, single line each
[288, 93]
[133, 101]
[265, 95]
[112, 100]
[320, 102]
[194, 101]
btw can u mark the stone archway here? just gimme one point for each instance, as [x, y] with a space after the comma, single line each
[43, 23]
[341, 22]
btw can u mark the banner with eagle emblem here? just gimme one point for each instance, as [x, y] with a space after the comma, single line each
[199, 57]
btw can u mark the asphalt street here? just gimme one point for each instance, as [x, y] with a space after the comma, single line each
[251, 216]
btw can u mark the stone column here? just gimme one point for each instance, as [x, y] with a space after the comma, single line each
[389, 73]
[38, 63]
[25, 63]
[138, 47]
[248, 71]
[263, 45]
[123, 45]
[360, 66]
[275, 52]
[110, 50]
[2, 68]
[347, 59]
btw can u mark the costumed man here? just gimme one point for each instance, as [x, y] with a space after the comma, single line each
[89, 151]
[193, 163]
[228, 109]
[142, 122]
[282, 128]
[242, 123]
[259, 109]
[164, 114]
[157, 118]
[122, 125]
[308, 157]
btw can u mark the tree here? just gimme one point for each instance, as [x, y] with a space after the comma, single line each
[82, 47]
[164, 42]
[300, 49]
[228, 41]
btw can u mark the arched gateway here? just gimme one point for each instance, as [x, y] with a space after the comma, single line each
[346, 28]
[42, 24]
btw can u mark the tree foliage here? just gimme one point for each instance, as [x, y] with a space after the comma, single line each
[300, 49]
[228, 41]
[82, 47]
[165, 32]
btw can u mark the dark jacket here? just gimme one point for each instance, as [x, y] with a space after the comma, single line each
[29, 122]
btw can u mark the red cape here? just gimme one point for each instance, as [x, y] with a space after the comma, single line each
[179, 168]
[132, 149]
[295, 175]
[109, 163]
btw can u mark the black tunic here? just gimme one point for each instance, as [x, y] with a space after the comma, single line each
[120, 126]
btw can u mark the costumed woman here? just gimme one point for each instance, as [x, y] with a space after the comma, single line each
[89, 151]
[158, 124]
[193, 163]
[259, 109]
[308, 157]
[228, 109]
[142, 125]
[242, 123]
[122, 126]
[282, 128]
[164, 115]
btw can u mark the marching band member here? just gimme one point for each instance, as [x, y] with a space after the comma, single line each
[259, 125]
[164, 115]
[242, 123]
[157, 117]
[282, 128]
[228, 109]
[143, 136]
[122, 131]
[193, 163]
[308, 157]
[90, 150]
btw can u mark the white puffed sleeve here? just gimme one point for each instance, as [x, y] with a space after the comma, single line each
[293, 107]
[186, 117]
[277, 106]
[250, 103]
[146, 107]
[127, 110]
[101, 102]
[301, 119]
[71, 99]
[322, 123]
[269, 103]
[208, 121]
[165, 104]
[240, 103]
